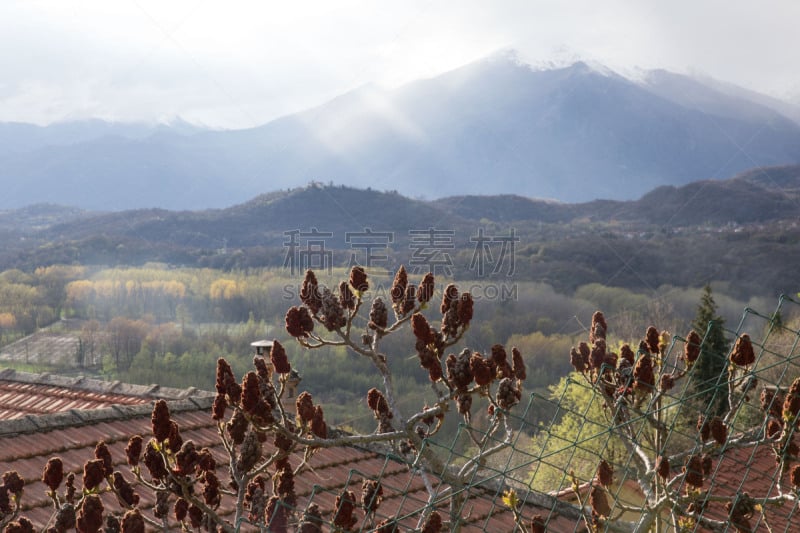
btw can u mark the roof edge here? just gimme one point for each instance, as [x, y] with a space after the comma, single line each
[99, 386]
[86, 417]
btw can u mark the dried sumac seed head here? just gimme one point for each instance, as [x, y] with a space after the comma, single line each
[53, 473]
[426, 288]
[507, 394]
[481, 369]
[358, 279]
[21, 525]
[331, 312]
[691, 350]
[500, 361]
[465, 309]
[343, 510]
[186, 458]
[458, 369]
[312, 520]
[249, 453]
[643, 374]
[627, 354]
[304, 406]
[195, 516]
[299, 322]
[399, 285]
[742, 353]
[65, 518]
[371, 495]
[124, 490]
[449, 296]
[92, 474]
[174, 440]
[694, 472]
[181, 509]
[377, 402]
[599, 327]
[518, 364]
[133, 451]
[599, 502]
[378, 314]
[795, 476]
[13, 482]
[652, 339]
[224, 375]
[237, 426]
[774, 428]
[90, 514]
[277, 355]
[162, 425]
[422, 329]
[433, 524]
[577, 360]
[318, 425]
[346, 297]
[309, 292]
[538, 524]
[772, 402]
[133, 522]
[154, 462]
[262, 369]
[112, 524]
[718, 430]
[605, 474]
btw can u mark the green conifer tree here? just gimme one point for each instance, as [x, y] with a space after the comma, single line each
[710, 375]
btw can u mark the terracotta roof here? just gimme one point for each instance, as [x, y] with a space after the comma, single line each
[752, 470]
[23, 393]
[27, 443]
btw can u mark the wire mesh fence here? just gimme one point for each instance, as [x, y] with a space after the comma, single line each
[684, 457]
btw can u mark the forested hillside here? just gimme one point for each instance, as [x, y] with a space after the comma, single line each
[742, 231]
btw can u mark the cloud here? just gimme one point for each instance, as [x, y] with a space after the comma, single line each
[241, 63]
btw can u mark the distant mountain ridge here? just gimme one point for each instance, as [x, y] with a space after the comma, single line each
[21, 137]
[743, 230]
[756, 196]
[496, 126]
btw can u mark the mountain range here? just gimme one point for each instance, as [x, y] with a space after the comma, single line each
[756, 196]
[496, 126]
[742, 230]
[761, 195]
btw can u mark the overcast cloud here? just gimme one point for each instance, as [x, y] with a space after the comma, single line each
[239, 64]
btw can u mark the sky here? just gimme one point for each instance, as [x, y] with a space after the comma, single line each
[239, 64]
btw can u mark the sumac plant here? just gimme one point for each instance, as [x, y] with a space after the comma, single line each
[270, 438]
[637, 389]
